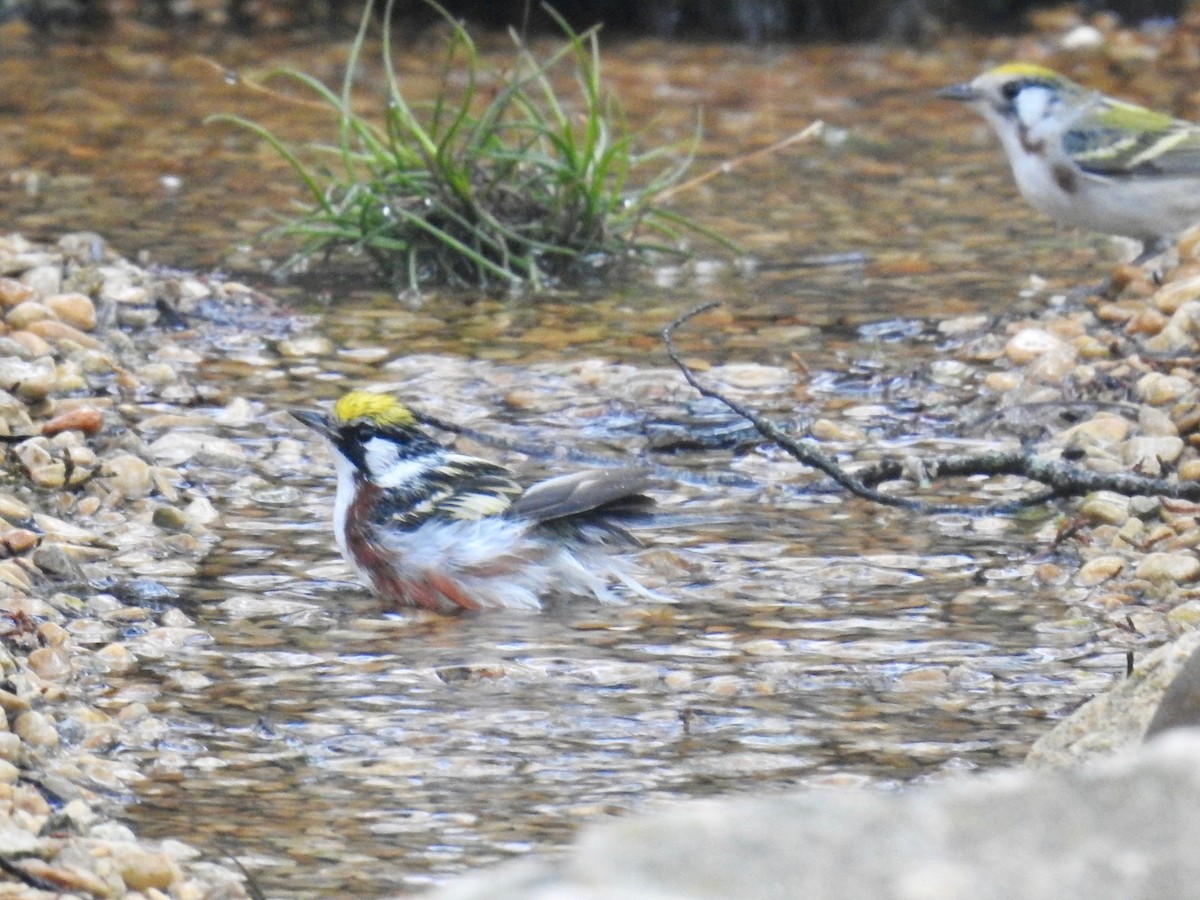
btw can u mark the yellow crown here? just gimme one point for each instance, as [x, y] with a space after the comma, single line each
[382, 409]
[1025, 70]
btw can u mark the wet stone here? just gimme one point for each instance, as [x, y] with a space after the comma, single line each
[1157, 388]
[75, 309]
[1146, 455]
[1177, 567]
[1098, 570]
[36, 729]
[25, 314]
[1030, 343]
[128, 474]
[1106, 506]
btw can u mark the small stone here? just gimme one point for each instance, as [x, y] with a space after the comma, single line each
[51, 475]
[1098, 570]
[1052, 367]
[10, 746]
[84, 419]
[31, 345]
[75, 309]
[1171, 339]
[1189, 470]
[1030, 343]
[1158, 389]
[1083, 37]
[12, 509]
[178, 447]
[1170, 297]
[53, 635]
[1177, 567]
[157, 374]
[169, 518]
[18, 842]
[65, 532]
[14, 575]
[16, 541]
[128, 474]
[115, 658]
[1146, 321]
[1156, 423]
[753, 376]
[69, 878]
[143, 871]
[28, 380]
[8, 772]
[828, 430]
[1002, 381]
[1185, 615]
[55, 559]
[36, 729]
[13, 292]
[1103, 429]
[238, 413]
[303, 347]
[43, 279]
[50, 663]
[1105, 506]
[201, 512]
[60, 333]
[1146, 455]
[25, 314]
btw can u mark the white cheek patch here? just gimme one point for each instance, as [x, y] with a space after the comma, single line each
[387, 468]
[1033, 104]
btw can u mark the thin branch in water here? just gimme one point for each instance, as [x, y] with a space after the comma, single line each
[730, 165]
[803, 451]
[1061, 479]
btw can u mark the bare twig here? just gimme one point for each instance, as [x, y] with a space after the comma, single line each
[1062, 479]
[731, 165]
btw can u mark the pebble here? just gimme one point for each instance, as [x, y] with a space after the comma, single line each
[829, 430]
[1158, 389]
[115, 658]
[1176, 567]
[32, 380]
[1170, 297]
[129, 474]
[50, 663]
[25, 314]
[84, 419]
[1106, 506]
[142, 871]
[1030, 343]
[77, 310]
[1146, 455]
[35, 729]
[59, 333]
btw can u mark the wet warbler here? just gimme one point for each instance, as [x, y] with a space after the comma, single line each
[1087, 159]
[426, 527]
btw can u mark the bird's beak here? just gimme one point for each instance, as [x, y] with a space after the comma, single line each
[964, 93]
[317, 421]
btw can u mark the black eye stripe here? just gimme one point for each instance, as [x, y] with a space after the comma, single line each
[1010, 89]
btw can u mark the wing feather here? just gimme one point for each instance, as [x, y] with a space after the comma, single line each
[570, 495]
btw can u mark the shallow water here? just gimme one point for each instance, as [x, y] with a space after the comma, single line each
[337, 751]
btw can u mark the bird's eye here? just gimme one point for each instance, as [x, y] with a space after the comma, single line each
[363, 432]
[1010, 90]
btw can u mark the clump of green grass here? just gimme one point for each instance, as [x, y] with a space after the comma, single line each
[512, 185]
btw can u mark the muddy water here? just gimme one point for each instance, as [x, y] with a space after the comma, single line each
[804, 638]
